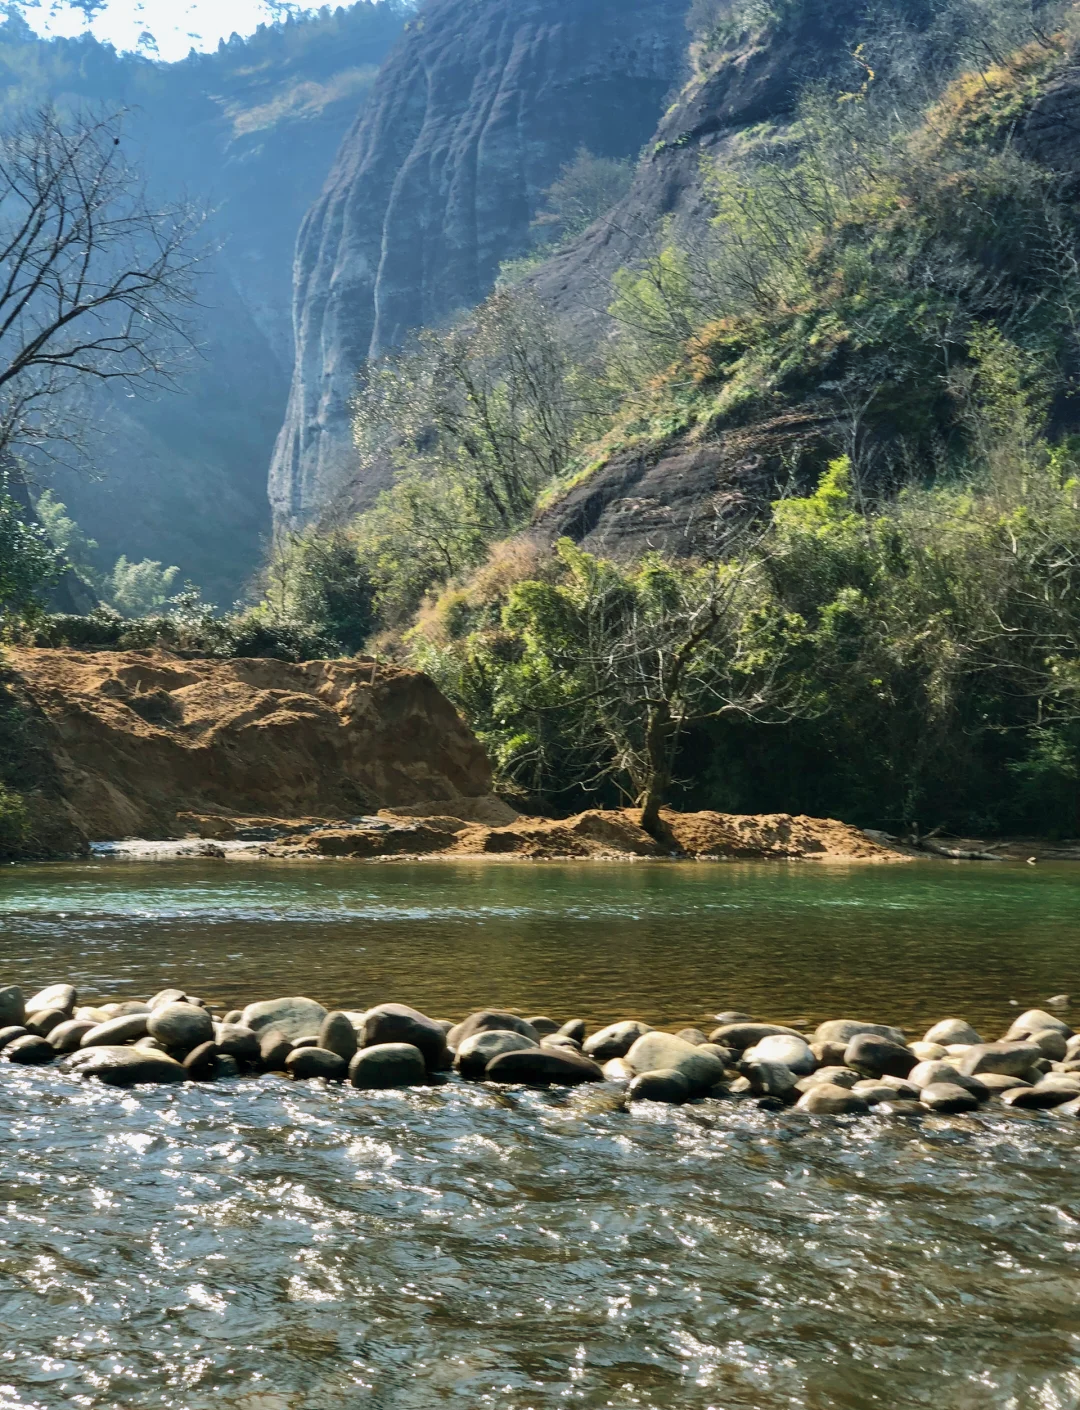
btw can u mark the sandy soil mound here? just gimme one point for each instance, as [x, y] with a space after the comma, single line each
[146, 744]
[597, 834]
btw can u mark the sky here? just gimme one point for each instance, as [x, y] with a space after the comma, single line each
[164, 29]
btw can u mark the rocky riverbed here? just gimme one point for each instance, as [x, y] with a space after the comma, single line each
[845, 1067]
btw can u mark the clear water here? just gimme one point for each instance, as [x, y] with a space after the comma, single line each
[286, 1246]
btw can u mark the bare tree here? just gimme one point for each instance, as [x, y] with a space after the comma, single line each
[95, 278]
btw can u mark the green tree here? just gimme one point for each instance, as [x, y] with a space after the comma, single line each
[29, 563]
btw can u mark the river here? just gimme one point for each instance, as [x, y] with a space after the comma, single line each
[286, 1247]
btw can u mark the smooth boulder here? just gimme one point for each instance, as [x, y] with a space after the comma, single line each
[542, 1067]
[1015, 1059]
[663, 1085]
[115, 1031]
[543, 1025]
[181, 1027]
[200, 1065]
[741, 1035]
[490, 1021]
[474, 1054]
[1051, 1040]
[782, 1047]
[575, 1028]
[66, 1037]
[843, 1030]
[337, 1035]
[951, 1030]
[296, 1017]
[388, 1065]
[31, 1049]
[129, 1067]
[948, 1098]
[878, 1057]
[770, 1079]
[826, 1099]
[305, 1063]
[237, 1041]
[43, 1021]
[274, 1048]
[1041, 1097]
[1036, 1021]
[397, 1023]
[655, 1050]
[614, 1041]
[55, 996]
[12, 1007]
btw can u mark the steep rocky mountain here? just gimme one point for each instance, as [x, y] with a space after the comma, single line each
[470, 120]
[251, 131]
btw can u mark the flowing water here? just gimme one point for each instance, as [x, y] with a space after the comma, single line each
[279, 1246]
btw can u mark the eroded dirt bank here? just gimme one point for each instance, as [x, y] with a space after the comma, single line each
[322, 758]
[147, 744]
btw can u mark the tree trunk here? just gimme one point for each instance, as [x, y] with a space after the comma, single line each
[658, 767]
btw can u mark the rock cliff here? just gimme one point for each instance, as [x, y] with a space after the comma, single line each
[470, 119]
[151, 745]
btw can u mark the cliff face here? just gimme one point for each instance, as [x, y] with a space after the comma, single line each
[470, 119]
[150, 745]
[248, 131]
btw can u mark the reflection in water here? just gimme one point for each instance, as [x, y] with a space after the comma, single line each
[279, 1246]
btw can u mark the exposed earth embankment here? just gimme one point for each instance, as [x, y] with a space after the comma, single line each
[317, 759]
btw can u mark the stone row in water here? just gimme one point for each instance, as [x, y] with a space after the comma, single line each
[845, 1067]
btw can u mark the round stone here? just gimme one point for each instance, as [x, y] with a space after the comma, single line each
[826, 1099]
[490, 1021]
[951, 1030]
[305, 1063]
[201, 1063]
[544, 1026]
[740, 1035]
[115, 1031]
[842, 1030]
[238, 1041]
[663, 1085]
[397, 1023]
[44, 1021]
[337, 1035]
[31, 1049]
[542, 1067]
[388, 1065]
[1053, 1043]
[877, 1056]
[615, 1040]
[295, 1017]
[692, 1035]
[782, 1047]
[12, 1007]
[474, 1054]
[55, 996]
[575, 1028]
[274, 1048]
[129, 1067]
[654, 1051]
[66, 1037]
[948, 1098]
[181, 1027]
